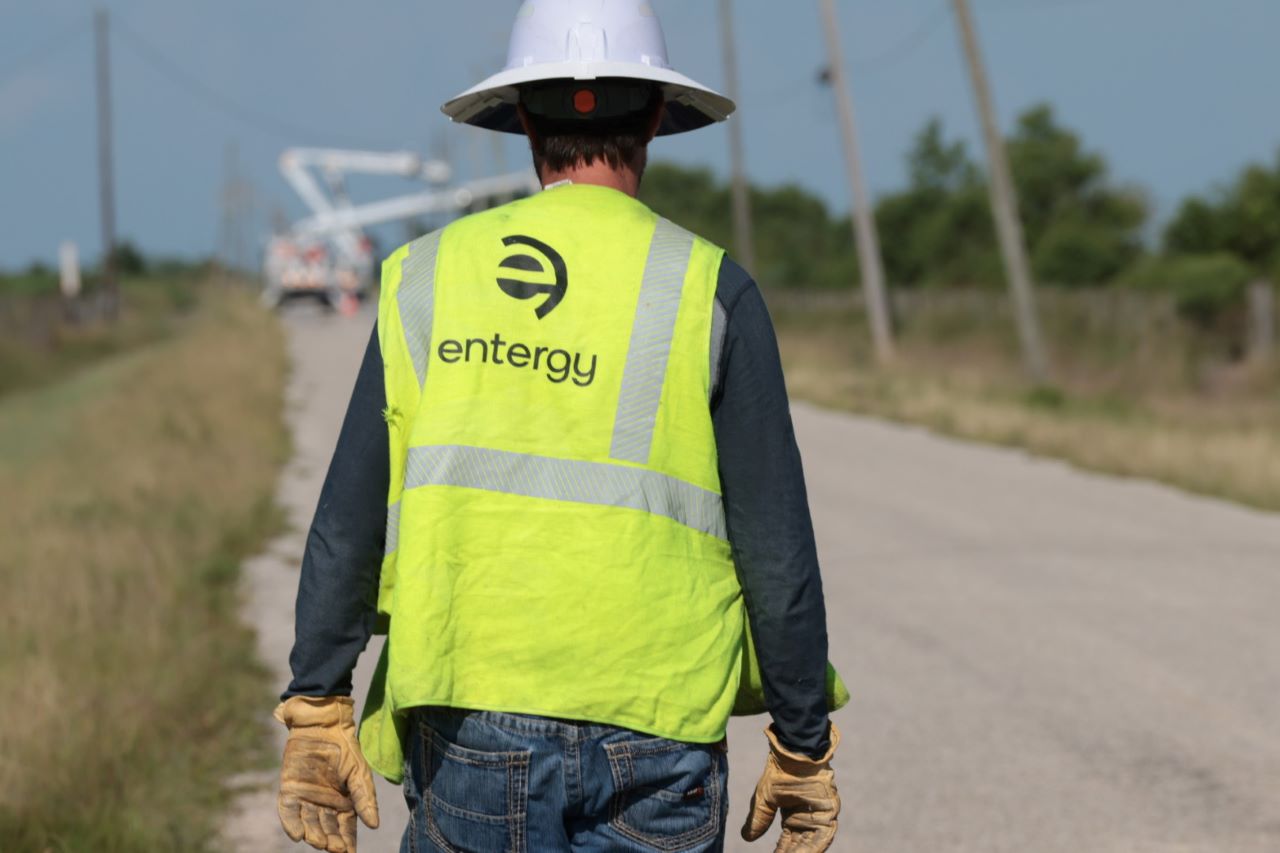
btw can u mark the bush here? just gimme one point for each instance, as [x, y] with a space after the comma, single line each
[128, 260]
[1205, 287]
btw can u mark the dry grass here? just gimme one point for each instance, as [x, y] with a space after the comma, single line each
[131, 491]
[1149, 406]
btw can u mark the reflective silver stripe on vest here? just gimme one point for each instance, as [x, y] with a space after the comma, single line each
[393, 529]
[417, 298]
[651, 334]
[572, 480]
[719, 327]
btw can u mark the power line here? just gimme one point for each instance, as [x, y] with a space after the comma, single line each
[917, 35]
[907, 44]
[1042, 5]
[261, 121]
[62, 41]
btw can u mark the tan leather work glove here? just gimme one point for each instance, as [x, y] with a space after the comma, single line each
[324, 780]
[804, 789]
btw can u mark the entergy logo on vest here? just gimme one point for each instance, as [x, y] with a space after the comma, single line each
[558, 364]
[518, 289]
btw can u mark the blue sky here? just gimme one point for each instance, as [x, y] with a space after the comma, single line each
[1178, 94]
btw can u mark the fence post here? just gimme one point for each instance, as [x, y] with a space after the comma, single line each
[1262, 320]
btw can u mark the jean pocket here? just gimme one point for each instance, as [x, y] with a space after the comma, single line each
[668, 794]
[475, 800]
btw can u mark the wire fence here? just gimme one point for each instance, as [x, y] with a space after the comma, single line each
[1083, 325]
[38, 320]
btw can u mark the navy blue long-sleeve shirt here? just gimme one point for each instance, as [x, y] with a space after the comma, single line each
[766, 512]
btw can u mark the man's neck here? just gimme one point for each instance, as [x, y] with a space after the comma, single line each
[599, 174]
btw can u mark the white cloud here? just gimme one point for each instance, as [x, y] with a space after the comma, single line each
[21, 97]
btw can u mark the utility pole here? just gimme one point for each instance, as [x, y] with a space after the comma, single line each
[106, 178]
[1004, 206]
[864, 223]
[744, 243]
[237, 200]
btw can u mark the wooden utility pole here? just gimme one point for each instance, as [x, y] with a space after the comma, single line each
[864, 223]
[744, 242]
[1004, 207]
[237, 200]
[106, 177]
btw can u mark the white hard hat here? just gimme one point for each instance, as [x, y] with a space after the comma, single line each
[587, 40]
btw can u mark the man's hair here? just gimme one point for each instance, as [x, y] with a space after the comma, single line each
[559, 144]
[560, 152]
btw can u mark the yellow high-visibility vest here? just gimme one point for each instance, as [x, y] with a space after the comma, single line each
[556, 540]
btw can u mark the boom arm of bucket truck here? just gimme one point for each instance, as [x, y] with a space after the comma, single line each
[446, 200]
[296, 165]
[299, 260]
[341, 221]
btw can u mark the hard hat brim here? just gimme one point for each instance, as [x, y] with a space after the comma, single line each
[492, 104]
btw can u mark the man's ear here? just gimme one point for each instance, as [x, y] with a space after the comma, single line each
[526, 124]
[656, 122]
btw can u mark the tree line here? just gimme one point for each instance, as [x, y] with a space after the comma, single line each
[1083, 228]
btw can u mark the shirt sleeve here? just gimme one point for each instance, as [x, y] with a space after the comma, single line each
[338, 588]
[767, 514]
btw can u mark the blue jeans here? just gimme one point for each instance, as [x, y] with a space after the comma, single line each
[487, 782]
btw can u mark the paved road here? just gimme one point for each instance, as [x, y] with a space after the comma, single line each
[1042, 660]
